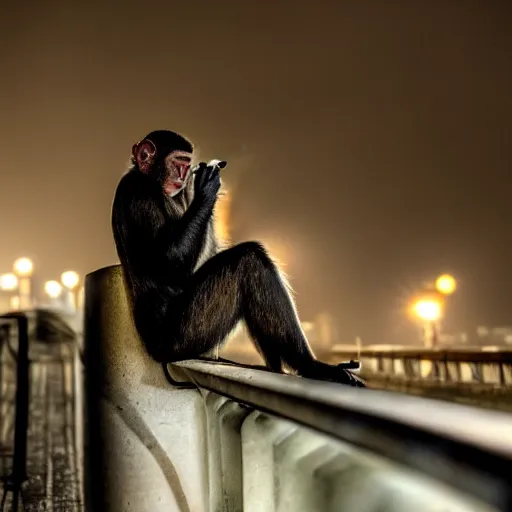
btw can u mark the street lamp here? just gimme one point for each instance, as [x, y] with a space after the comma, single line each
[70, 279]
[53, 289]
[8, 282]
[429, 310]
[23, 268]
[446, 284]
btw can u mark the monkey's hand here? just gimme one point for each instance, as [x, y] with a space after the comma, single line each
[206, 184]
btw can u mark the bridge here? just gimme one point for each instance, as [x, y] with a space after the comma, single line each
[96, 425]
[471, 376]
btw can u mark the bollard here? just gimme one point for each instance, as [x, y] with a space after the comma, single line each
[144, 446]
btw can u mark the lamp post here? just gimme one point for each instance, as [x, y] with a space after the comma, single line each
[429, 310]
[446, 284]
[54, 290]
[70, 280]
[9, 284]
[429, 307]
[23, 269]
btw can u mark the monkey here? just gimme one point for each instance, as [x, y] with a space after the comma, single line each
[186, 294]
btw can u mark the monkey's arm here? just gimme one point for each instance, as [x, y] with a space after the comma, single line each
[183, 238]
[180, 239]
[186, 238]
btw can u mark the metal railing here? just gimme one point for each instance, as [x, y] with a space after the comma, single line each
[14, 406]
[38, 436]
[493, 368]
[253, 441]
[427, 437]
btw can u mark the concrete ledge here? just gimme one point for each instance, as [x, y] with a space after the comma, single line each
[462, 447]
[143, 439]
[257, 441]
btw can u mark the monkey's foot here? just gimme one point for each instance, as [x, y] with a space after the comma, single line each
[354, 379]
[350, 365]
[339, 374]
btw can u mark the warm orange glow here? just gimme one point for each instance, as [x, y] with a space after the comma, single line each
[223, 216]
[429, 310]
[23, 267]
[14, 303]
[70, 279]
[446, 284]
[53, 289]
[8, 282]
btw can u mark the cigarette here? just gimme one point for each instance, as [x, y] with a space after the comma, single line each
[212, 163]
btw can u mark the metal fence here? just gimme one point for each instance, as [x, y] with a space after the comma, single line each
[456, 366]
[38, 403]
[14, 403]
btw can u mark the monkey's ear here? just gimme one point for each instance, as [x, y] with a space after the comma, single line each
[144, 154]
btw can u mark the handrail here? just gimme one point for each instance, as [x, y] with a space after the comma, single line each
[149, 446]
[19, 466]
[39, 347]
[421, 368]
[469, 449]
[449, 355]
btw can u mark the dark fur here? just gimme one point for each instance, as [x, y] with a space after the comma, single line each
[186, 297]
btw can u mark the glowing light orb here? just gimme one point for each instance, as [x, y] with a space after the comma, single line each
[53, 289]
[23, 267]
[8, 282]
[428, 310]
[70, 279]
[446, 284]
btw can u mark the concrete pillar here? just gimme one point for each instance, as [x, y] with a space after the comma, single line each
[144, 441]
[224, 420]
[260, 435]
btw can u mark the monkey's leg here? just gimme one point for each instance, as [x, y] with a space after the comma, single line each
[243, 282]
[208, 310]
[272, 320]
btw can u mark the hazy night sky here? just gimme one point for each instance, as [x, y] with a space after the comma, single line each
[374, 138]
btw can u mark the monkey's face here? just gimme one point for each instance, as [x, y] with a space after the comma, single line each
[176, 172]
[166, 157]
